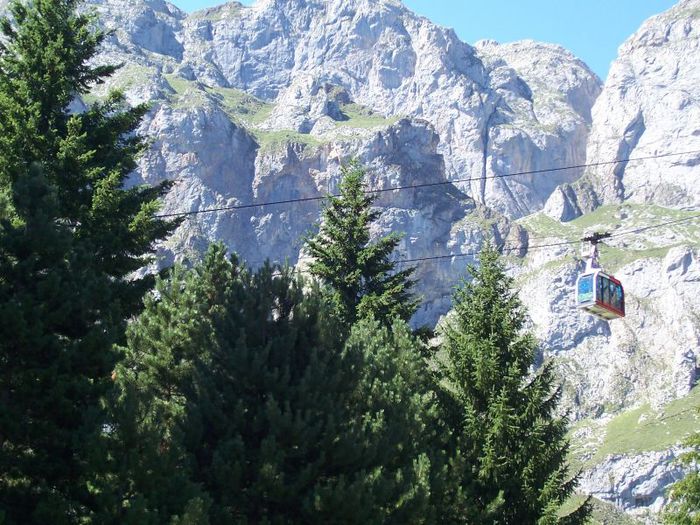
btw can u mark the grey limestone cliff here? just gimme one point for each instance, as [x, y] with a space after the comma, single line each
[648, 107]
[264, 103]
[629, 384]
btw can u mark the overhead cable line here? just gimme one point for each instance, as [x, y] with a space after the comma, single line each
[653, 226]
[506, 248]
[236, 207]
[622, 232]
[503, 248]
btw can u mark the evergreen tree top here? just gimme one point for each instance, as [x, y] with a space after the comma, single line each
[245, 380]
[511, 446]
[361, 272]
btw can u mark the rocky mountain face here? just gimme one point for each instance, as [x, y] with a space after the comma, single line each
[265, 103]
[649, 106]
[627, 384]
[256, 105]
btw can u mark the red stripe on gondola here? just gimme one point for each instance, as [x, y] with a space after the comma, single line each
[609, 307]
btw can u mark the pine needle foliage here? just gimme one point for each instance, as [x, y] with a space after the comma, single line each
[70, 233]
[361, 273]
[246, 386]
[54, 362]
[683, 507]
[507, 462]
[46, 59]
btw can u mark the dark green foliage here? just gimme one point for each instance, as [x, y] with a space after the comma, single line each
[69, 234]
[683, 507]
[361, 273]
[251, 390]
[54, 360]
[507, 459]
[86, 157]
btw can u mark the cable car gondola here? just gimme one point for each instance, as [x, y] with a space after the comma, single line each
[597, 292]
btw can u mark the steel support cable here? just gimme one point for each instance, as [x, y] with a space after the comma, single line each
[503, 247]
[318, 198]
[654, 226]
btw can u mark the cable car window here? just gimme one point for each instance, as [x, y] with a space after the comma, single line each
[619, 301]
[585, 289]
[604, 296]
[613, 295]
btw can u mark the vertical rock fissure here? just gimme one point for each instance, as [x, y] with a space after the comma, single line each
[630, 139]
[485, 137]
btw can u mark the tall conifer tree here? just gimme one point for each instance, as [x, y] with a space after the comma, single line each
[86, 157]
[247, 379]
[70, 232]
[361, 274]
[508, 452]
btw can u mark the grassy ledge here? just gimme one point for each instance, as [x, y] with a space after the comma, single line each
[644, 430]
[622, 217]
[363, 117]
[249, 111]
[603, 513]
[637, 431]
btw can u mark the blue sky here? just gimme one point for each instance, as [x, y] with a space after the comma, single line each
[591, 29]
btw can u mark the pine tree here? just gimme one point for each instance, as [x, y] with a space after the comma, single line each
[361, 274]
[247, 380]
[507, 460]
[44, 64]
[683, 507]
[152, 471]
[69, 234]
[54, 361]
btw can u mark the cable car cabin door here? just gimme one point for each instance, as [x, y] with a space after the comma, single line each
[601, 295]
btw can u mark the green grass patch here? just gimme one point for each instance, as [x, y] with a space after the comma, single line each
[602, 513]
[180, 85]
[571, 504]
[643, 430]
[608, 217]
[275, 140]
[541, 225]
[620, 218]
[614, 258]
[250, 111]
[629, 214]
[223, 12]
[123, 79]
[240, 105]
[363, 117]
